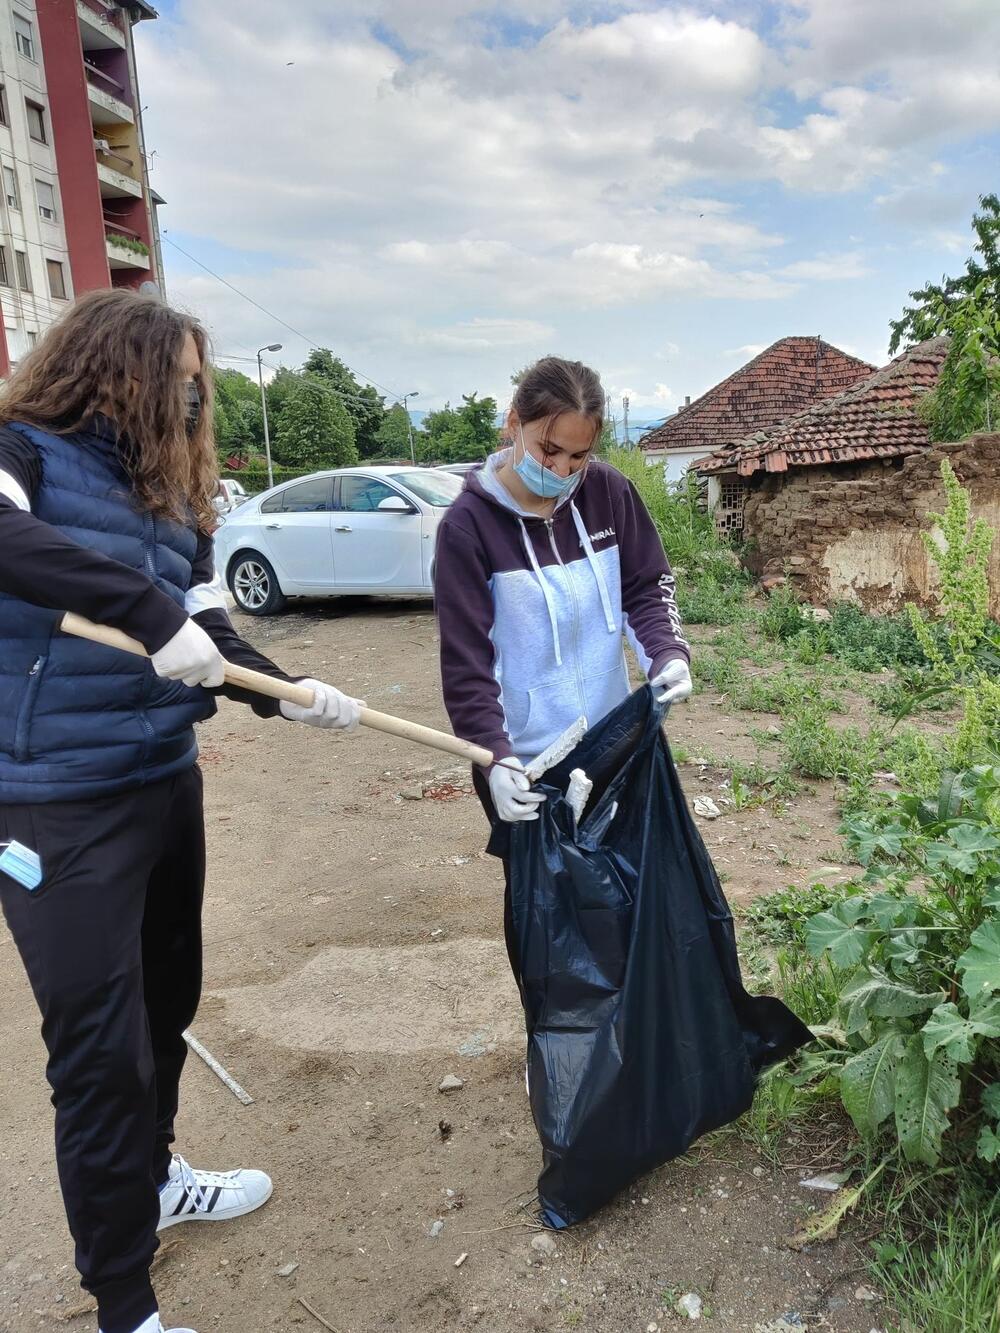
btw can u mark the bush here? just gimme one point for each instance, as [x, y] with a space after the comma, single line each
[919, 1013]
[712, 587]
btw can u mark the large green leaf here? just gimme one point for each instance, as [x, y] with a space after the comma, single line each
[866, 840]
[990, 1101]
[889, 912]
[948, 1030]
[868, 1083]
[903, 949]
[973, 838]
[837, 933]
[988, 1146]
[926, 1090]
[980, 964]
[871, 994]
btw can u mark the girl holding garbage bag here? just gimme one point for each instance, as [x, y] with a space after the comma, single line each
[545, 563]
[107, 472]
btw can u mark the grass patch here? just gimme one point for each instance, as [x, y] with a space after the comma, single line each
[754, 785]
[943, 1275]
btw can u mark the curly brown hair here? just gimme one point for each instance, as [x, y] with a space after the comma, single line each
[118, 353]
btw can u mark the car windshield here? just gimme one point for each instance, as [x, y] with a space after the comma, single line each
[434, 488]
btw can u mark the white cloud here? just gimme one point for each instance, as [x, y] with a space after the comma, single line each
[415, 183]
[660, 397]
[484, 335]
[827, 268]
[747, 352]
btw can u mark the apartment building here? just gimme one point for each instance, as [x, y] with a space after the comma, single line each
[76, 210]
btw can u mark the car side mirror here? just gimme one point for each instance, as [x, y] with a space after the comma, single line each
[395, 504]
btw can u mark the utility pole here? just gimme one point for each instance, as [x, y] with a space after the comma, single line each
[409, 423]
[271, 347]
[628, 443]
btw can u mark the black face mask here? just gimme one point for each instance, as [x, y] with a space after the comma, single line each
[193, 406]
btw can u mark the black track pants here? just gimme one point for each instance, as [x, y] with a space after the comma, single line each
[111, 942]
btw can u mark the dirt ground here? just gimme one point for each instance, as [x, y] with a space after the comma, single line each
[353, 958]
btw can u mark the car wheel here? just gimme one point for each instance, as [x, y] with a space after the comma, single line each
[254, 584]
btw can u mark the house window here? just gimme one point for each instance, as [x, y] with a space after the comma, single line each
[46, 200]
[25, 37]
[23, 272]
[32, 338]
[10, 189]
[36, 122]
[4, 268]
[729, 510]
[57, 279]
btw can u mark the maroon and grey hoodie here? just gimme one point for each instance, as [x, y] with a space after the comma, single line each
[533, 612]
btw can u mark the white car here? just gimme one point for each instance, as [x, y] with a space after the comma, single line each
[356, 531]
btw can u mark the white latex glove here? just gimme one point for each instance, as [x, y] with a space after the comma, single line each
[330, 708]
[672, 684]
[510, 788]
[190, 656]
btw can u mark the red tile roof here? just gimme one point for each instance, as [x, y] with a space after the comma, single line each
[790, 375]
[876, 418]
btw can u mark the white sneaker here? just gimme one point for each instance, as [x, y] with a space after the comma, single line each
[209, 1196]
[153, 1325]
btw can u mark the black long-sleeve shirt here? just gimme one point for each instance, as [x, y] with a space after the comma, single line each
[39, 564]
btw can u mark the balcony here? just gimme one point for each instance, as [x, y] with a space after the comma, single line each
[125, 253]
[97, 31]
[116, 185]
[105, 108]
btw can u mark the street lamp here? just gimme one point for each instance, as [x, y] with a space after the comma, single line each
[271, 347]
[409, 423]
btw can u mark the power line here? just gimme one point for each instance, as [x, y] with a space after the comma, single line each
[271, 315]
[318, 380]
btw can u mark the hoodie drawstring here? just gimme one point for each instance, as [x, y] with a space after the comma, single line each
[540, 578]
[602, 587]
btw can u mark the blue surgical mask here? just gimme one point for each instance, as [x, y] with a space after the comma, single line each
[542, 481]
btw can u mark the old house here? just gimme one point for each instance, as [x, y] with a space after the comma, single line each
[790, 375]
[837, 496]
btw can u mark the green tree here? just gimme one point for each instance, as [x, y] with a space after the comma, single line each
[366, 408]
[394, 434]
[315, 428]
[460, 435]
[967, 394]
[932, 306]
[239, 420]
[281, 388]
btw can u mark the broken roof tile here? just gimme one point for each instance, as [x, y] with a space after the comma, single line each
[875, 418]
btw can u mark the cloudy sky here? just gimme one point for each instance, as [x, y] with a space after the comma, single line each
[443, 190]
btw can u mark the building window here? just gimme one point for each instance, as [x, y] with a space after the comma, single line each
[25, 37]
[10, 189]
[32, 338]
[57, 279]
[23, 272]
[729, 510]
[46, 200]
[4, 268]
[4, 118]
[36, 122]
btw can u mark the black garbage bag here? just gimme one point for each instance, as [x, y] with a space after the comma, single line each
[641, 1036]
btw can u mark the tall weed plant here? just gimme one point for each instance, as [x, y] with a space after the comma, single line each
[712, 587]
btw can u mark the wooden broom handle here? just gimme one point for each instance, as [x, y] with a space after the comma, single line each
[293, 694]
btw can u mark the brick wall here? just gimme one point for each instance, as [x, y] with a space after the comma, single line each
[853, 532]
